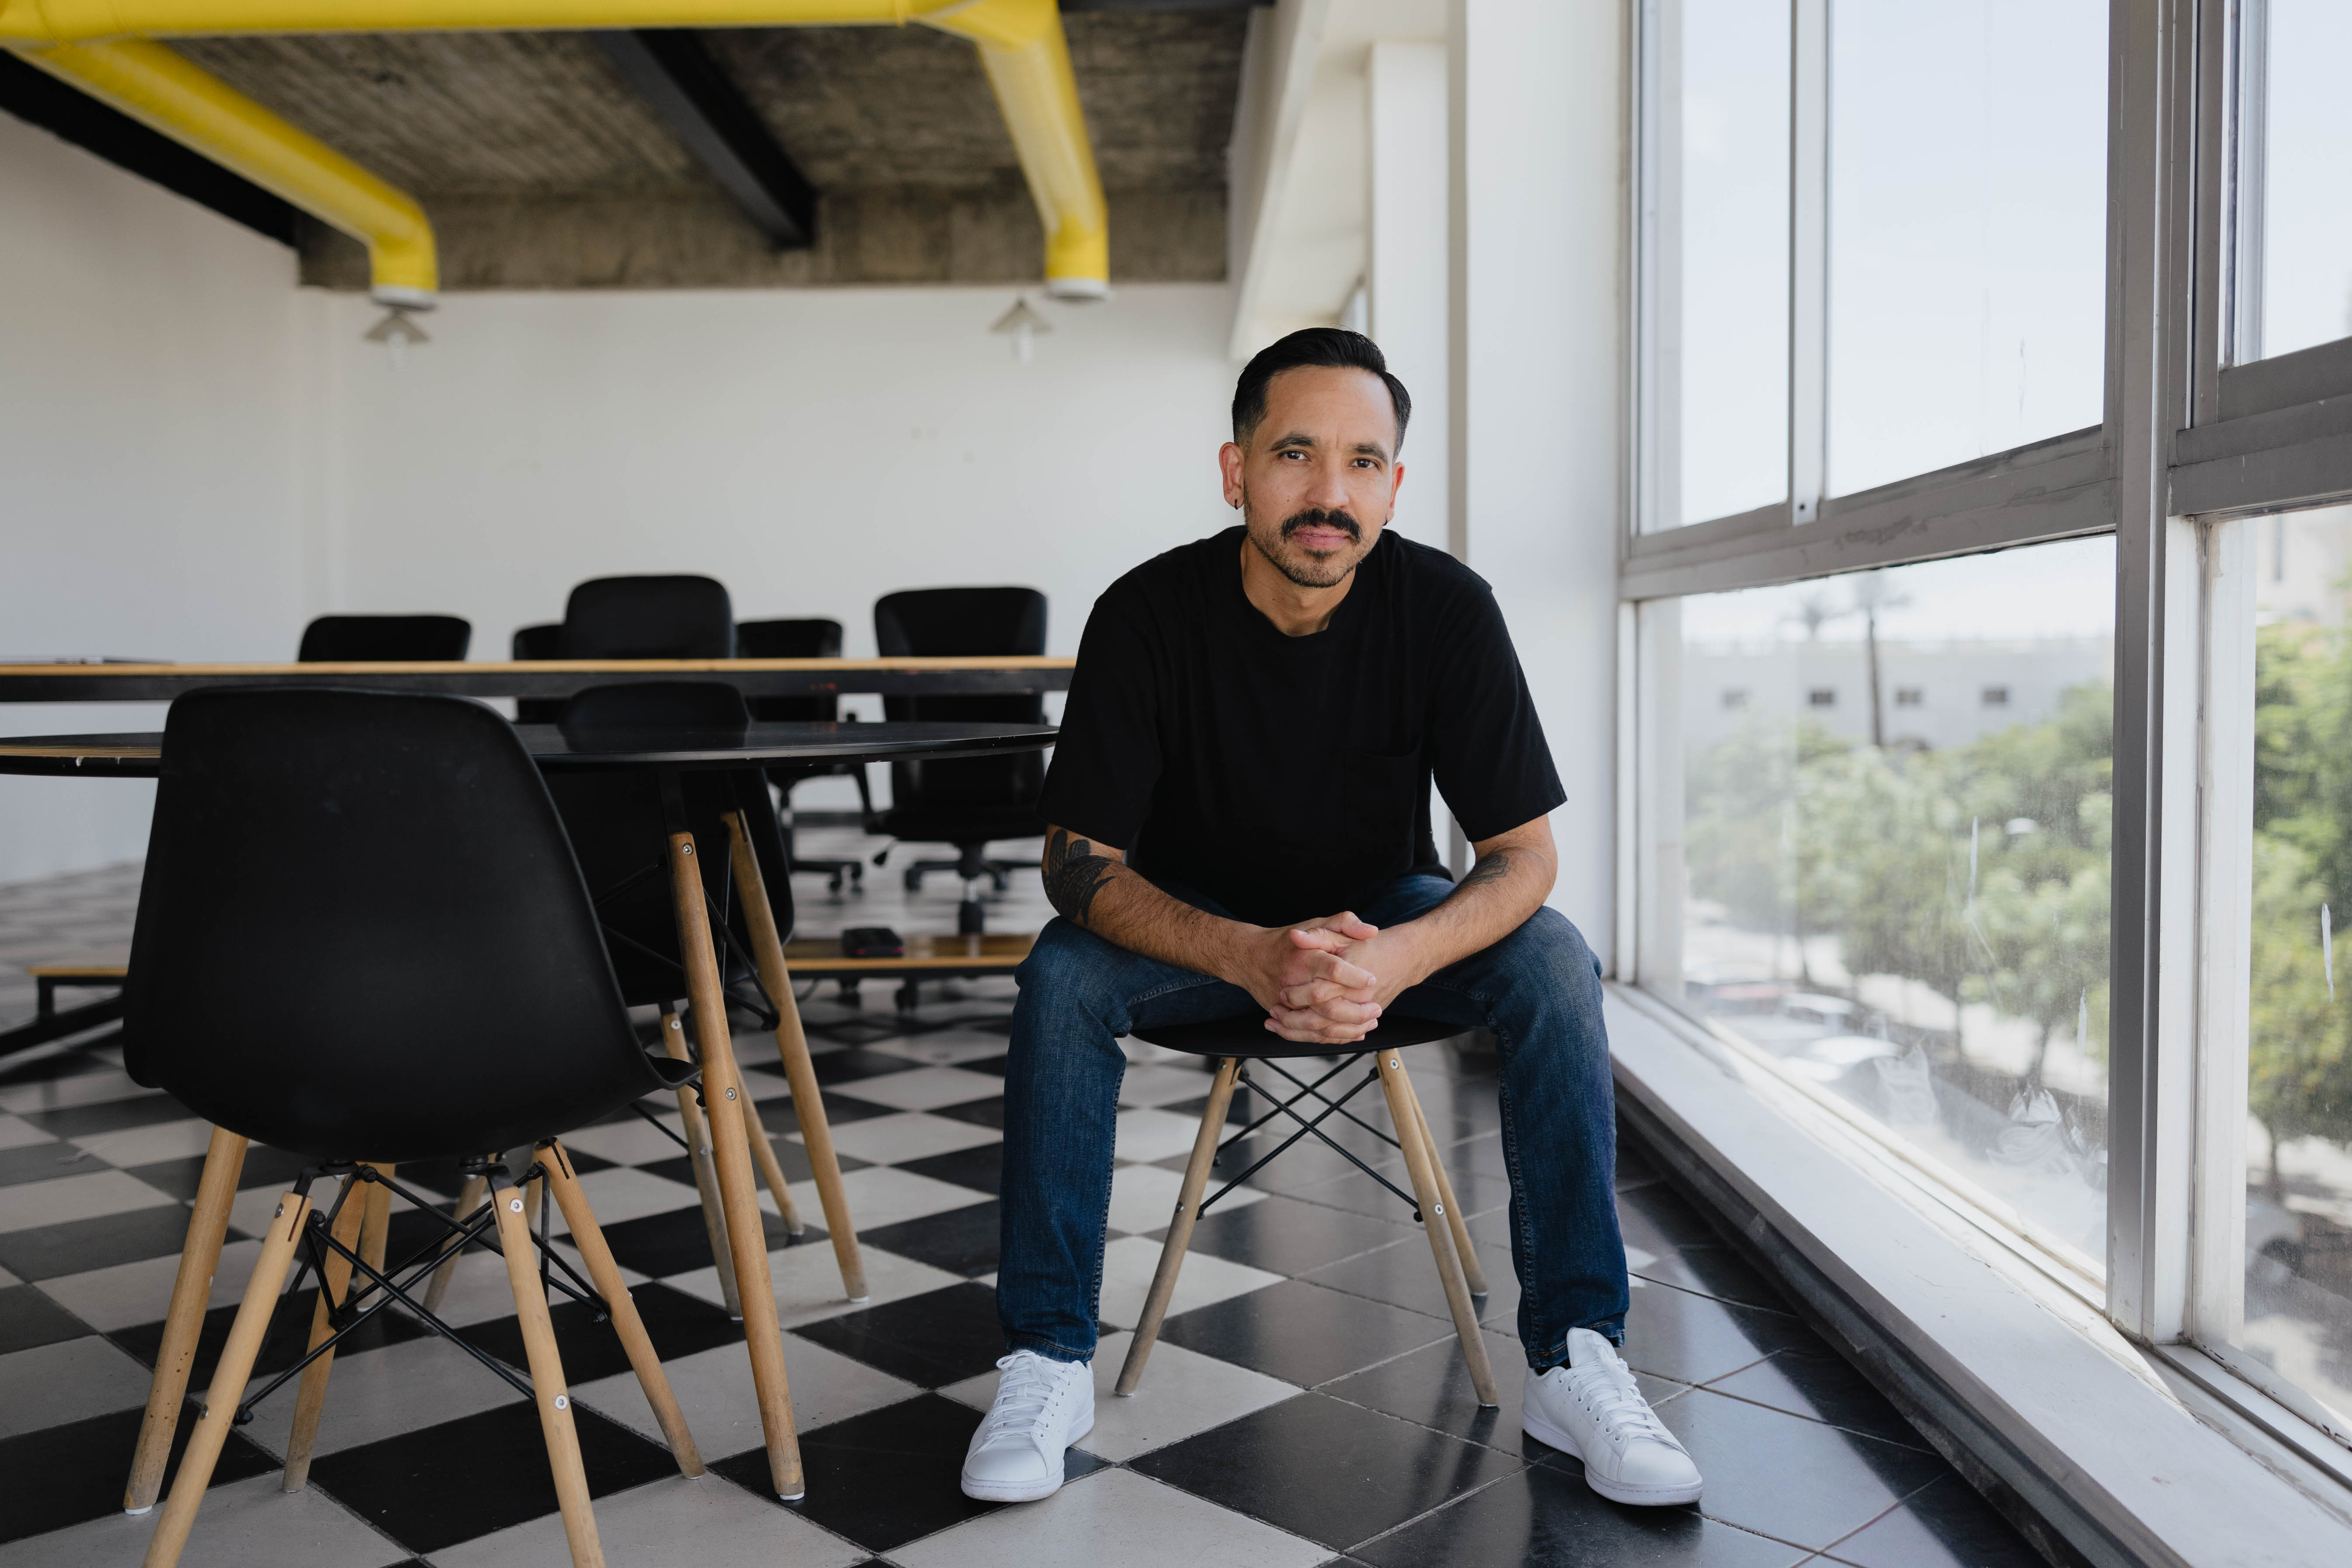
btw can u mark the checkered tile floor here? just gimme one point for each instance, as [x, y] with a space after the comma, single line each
[1306, 1404]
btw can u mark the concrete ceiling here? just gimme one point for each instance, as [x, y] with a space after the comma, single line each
[541, 167]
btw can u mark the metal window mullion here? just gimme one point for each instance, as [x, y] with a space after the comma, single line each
[2239, 40]
[1659, 805]
[1809, 244]
[1657, 231]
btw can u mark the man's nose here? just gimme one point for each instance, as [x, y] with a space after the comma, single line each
[1329, 489]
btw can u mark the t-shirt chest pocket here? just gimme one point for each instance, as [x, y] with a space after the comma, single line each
[1382, 791]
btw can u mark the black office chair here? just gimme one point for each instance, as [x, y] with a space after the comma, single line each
[803, 639]
[543, 641]
[649, 617]
[363, 938]
[384, 639]
[972, 802]
[1236, 1043]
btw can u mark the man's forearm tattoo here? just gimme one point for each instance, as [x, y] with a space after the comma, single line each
[1491, 868]
[1074, 875]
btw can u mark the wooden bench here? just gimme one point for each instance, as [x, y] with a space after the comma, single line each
[102, 972]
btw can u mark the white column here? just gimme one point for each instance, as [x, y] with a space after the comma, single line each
[1404, 100]
[1539, 447]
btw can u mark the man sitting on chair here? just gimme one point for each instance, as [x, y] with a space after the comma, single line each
[1251, 735]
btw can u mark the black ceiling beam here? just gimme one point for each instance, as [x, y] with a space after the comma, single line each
[33, 95]
[672, 70]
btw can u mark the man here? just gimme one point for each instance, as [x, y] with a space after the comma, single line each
[1239, 804]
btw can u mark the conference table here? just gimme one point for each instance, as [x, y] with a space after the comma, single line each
[132, 680]
[668, 753]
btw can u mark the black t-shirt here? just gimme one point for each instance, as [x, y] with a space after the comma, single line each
[1287, 777]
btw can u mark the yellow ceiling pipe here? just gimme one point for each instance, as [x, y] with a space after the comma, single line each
[163, 89]
[1021, 43]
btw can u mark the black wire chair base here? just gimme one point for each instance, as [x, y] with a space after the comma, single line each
[1287, 1108]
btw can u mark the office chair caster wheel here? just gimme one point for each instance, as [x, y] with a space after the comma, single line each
[832, 884]
[1000, 882]
[856, 876]
[970, 918]
[849, 997]
[909, 994]
[913, 881]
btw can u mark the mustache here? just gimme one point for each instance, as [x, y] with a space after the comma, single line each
[1316, 516]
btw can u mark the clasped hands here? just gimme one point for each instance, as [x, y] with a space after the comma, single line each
[1327, 982]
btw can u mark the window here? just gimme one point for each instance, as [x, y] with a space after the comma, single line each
[1921, 930]
[1968, 230]
[2295, 156]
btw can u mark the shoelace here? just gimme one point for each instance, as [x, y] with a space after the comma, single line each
[1609, 1389]
[1022, 1396]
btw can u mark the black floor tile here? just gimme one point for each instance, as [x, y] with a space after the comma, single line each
[289, 1335]
[1240, 1111]
[49, 1250]
[1716, 1271]
[108, 1116]
[1360, 1193]
[981, 1169]
[1303, 1165]
[435, 1486]
[932, 1339]
[791, 1155]
[1946, 1525]
[1547, 1518]
[1785, 1477]
[989, 1112]
[839, 1108]
[986, 1063]
[1634, 1168]
[59, 1062]
[678, 1324]
[66, 1474]
[1333, 1472]
[28, 1319]
[1285, 1236]
[678, 1241]
[44, 1163]
[1303, 1333]
[263, 1167]
[1403, 1274]
[1696, 1338]
[838, 1068]
[1663, 1210]
[961, 1241]
[890, 1475]
[1823, 1386]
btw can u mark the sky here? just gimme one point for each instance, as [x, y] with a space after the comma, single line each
[2041, 591]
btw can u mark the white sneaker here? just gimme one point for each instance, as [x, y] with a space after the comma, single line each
[1593, 1408]
[1042, 1407]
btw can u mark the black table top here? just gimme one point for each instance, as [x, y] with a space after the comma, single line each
[140, 755]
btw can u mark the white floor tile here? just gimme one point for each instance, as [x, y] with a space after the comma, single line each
[16, 1133]
[885, 1195]
[64, 1093]
[626, 1192]
[630, 1142]
[141, 1292]
[1143, 1198]
[924, 1089]
[145, 1145]
[51, 1385]
[1147, 1135]
[250, 1212]
[1154, 1083]
[1113, 1517]
[706, 1521]
[381, 1394]
[908, 1136]
[66, 1198]
[948, 1048]
[251, 1523]
[1182, 1393]
[1130, 1262]
[715, 1390]
[478, 1290]
[808, 1282]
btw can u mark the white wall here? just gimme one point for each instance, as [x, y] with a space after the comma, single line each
[150, 440]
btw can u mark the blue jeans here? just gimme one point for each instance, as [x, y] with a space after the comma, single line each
[1538, 989]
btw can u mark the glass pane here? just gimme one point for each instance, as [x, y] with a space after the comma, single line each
[2306, 164]
[2298, 1310]
[1728, 293]
[1968, 230]
[1896, 843]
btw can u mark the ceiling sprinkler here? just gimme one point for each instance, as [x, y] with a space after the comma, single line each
[397, 331]
[1024, 324]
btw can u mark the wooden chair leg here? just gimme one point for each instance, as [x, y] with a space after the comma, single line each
[334, 1280]
[236, 1368]
[1405, 1112]
[705, 1174]
[192, 1289]
[1472, 1271]
[763, 1153]
[1180, 1229]
[548, 1390]
[730, 1155]
[589, 1237]
[791, 1044]
[468, 1200]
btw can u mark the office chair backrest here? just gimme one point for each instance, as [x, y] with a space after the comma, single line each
[376, 639]
[649, 617]
[362, 934]
[616, 827]
[791, 639]
[950, 621]
[544, 641]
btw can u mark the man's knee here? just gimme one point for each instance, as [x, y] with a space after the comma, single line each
[1547, 941]
[1070, 967]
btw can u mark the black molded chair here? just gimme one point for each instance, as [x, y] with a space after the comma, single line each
[802, 639]
[968, 802]
[1236, 1044]
[384, 639]
[363, 938]
[649, 617]
[544, 641]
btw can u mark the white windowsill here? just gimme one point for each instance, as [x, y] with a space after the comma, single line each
[2076, 1409]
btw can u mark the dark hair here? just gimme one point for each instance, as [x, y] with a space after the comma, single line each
[1329, 348]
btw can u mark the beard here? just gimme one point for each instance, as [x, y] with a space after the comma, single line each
[1312, 568]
